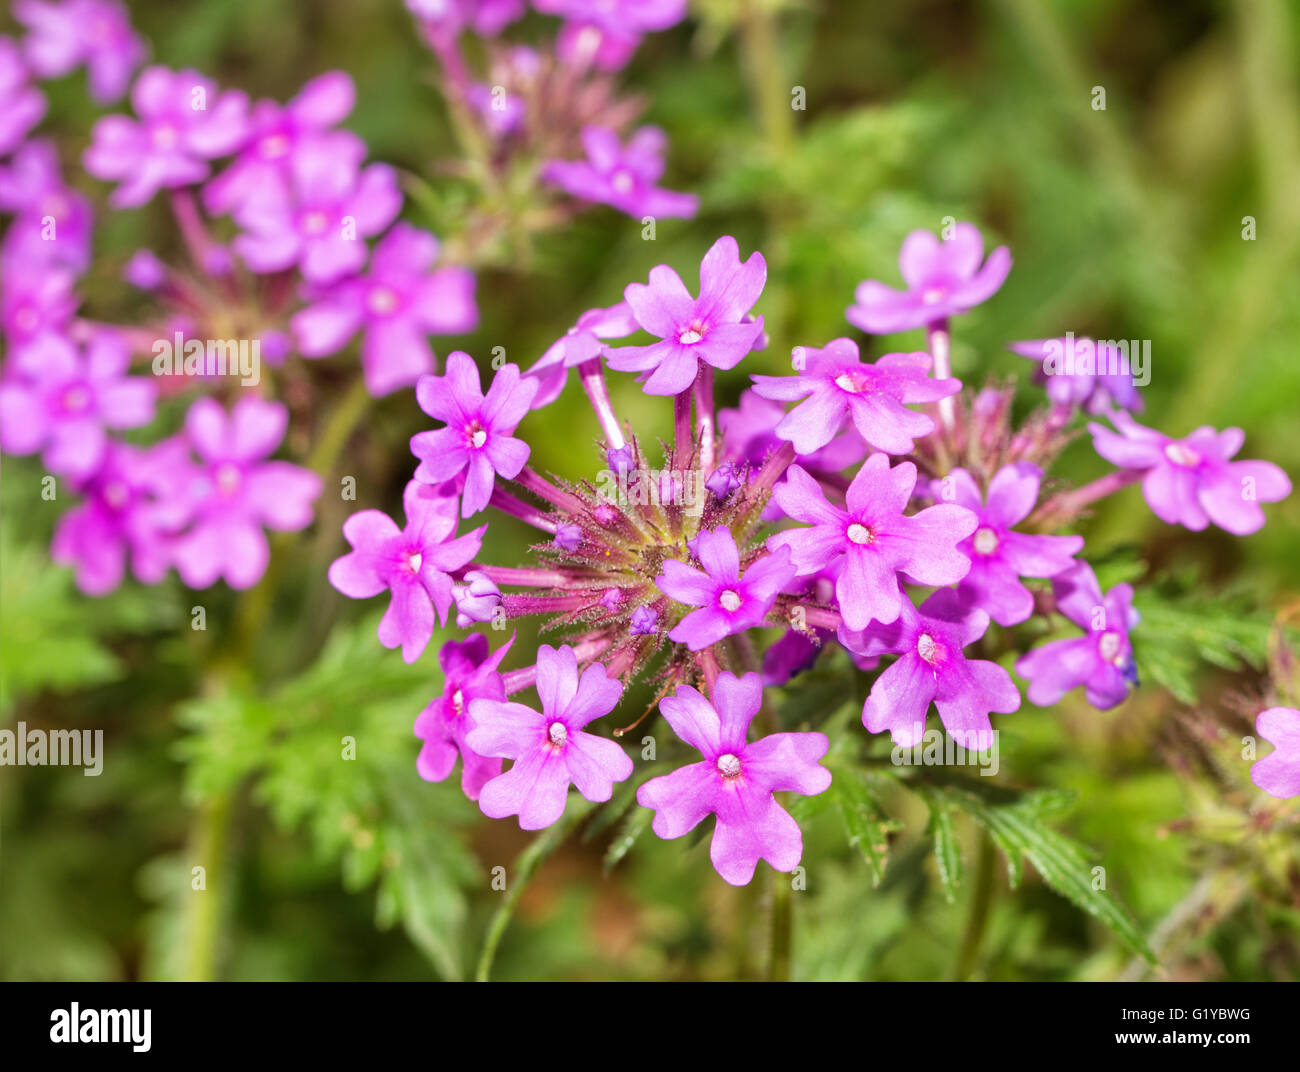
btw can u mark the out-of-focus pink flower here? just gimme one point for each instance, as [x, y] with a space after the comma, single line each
[96, 33]
[623, 176]
[52, 222]
[22, 106]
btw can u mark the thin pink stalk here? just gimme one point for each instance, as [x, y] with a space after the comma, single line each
[544, 489]
[517, 606]
[939, 342]
[683, 441]
[508, 504]
[773, 469]
[704, 420]
[526, 677]
[593, 382]
[709, 664]
[1067, 504]
[525, 577]
[818, 617]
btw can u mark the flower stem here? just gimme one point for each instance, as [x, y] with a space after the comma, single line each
[704, 421]
[683, 440]
[781, 930]
[593, 382]
[209, 841]
[977, 921]
[940, 344]
[1067, 505]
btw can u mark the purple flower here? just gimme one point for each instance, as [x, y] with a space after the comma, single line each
[736, 780]
[414, 564]
[870, 541]
[144, 271]
[62, 401]
[1102, 661]
[133, 501]
[1191, 481]
[1081, 372]
[21, 105]
[790, 656]
[399, 303]
[96, 33]
[568, 536]
[607, 32]
[622, 176]
[644, 621]
[839, 386]
[932, 668]
[549, 748]
[469, 674]
[184, 122]
[477, 599]
[581, 343]
[712, 328]
[277, 132]
[477, 439]
[943, 279]
[486, 17]
[729, 602]
[52, 221]
[235, 492]
[321, 224]
[35, 306]
[1000, 557]
[1278, 773]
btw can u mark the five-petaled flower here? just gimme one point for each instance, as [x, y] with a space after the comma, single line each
[1278, 773]
[549, 748]
[736, 780]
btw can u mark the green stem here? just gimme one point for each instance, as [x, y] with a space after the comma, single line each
[525, 867]
[781, 930]
[210, 838]
[981, 903]
[763, 58]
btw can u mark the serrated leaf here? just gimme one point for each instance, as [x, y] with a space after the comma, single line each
[947, 853]
[864, 821]
[636, 823]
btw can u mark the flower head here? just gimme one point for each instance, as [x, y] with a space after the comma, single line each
[469, 673]
[183, 123]
[96, 33]
[713, 328]
[736, 779]
[729, 601]
[52, 222]
[1081, 372]
[400, 302]
[1192, 481]
[1102, 661]
[838, 386]
[583, 342]
[235, 491]
[477, 439]
[1278, 773]
[999, 556]
[870, 541]
[944, 278]
[414, 564]
[622, 176]
[549, 748]
[933, 668]
[63, 400]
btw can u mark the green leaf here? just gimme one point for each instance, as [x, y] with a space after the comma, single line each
[947, 853]
[1019, 831]
[864, 822]
[636, 823]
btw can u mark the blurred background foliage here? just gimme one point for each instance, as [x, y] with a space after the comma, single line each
[224, 747]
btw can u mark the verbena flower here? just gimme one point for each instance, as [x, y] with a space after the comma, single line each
[319, 226]
[549, 748]
[52, 221]
[63, 401]
[36, 307]
[1278, 773]
[277, 133]
[623, 176]
[414, 564]
[736, 779]
[1082, 372]
[933, 668]
[95, 34]
[1192, 481]
[234, 492]
[838, 386]
[729, 601]
[943, 278]
[398, 304]
[869, 541]
[183, 123]
[22, 105]
[1000, 556]
[477, 440]
[608, 32]
[711, 328]
[1101, 661]
[469, 673]
[450, 17]
[581, 344]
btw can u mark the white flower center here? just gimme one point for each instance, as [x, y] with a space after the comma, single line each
[382, 301]
[1181, 454]
[116, 494]
[621, 181]
[228, 479]
[860, 534]
[274, 146]
[475, 435]
[76, 399]
[416, 560]
[729, 765]
[848, 382]
[165, 136]
[314, 223]
[689, 337]
[986, 541]
[730, 601]
[558, 734]
[1108, 646]
[933, 295]
[458, 702]
[926, 647]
